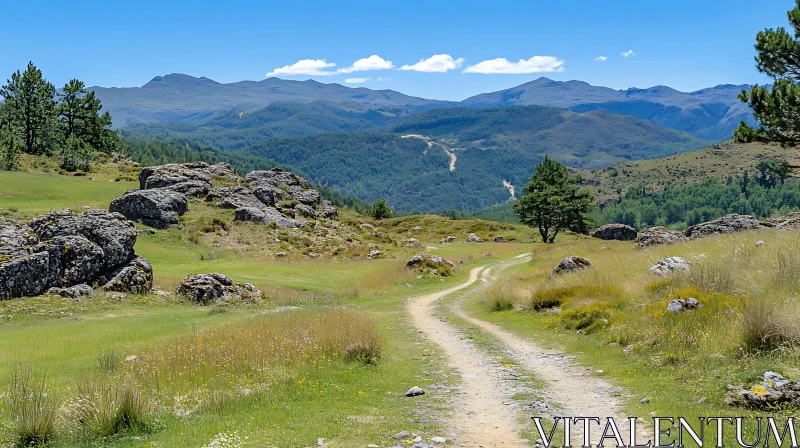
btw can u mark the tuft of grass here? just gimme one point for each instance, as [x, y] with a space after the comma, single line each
[109, 360]
[553, 297]
[587, 319]
[105, 408]
[33, 409]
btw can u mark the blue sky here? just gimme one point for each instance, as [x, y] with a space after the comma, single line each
[687, 45]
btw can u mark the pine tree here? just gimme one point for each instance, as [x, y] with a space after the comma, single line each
[553, 202]
[77, 154]
[9, 151]
[380, 210]
[777, 109]
[31, 109]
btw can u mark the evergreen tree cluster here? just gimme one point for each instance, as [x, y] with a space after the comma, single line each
[36, 119]
[680, 207]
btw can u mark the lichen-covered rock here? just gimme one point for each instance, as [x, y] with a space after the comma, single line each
[775, 389]
[789, 222]
[276, 177]
[329, 211]
[431, 264]
[233, 197]
[678, 305]
[135, 276]
[15, 240]
[274, 216]
[618, 232]
[500, 239]
[24, 276]
[205, 289]
[659, 235]
[472, 238]
[269, 195]
[726, 224]
[668, 266]
[157, 207]
[72, 260]
[64, 249]
[111, 231]
[73, 292]
[188, 179]
[305, 211]
[571, 264]
[251, 214]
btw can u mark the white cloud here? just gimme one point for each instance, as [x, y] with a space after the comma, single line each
[600, 58]
[438, 63]
[380, 79]
[373, 62]
[504, 66]
[356, 80]
[314, 67]
[627, 54]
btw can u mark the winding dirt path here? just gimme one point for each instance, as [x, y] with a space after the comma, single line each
[483, 417]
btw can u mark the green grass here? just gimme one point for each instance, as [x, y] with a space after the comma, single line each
[673, 359]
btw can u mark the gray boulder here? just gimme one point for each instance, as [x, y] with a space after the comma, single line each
[500, 239]
[251, 214]
[111, 231]
[726, 224]
[618, 232]
[570, 264]
[472, 238]
[329, 211]
[414, 392]
[136, 276]
[678, 305]
[73, 292]
[188, 179]
[205, 289]
[157, 208]
[430, 264]
[15, 240]
[276, 177]
[306, 211]
[24, 276]
[668, 266]
[271, 215]
[71, 260]
[269, 195]
[659, 235]
[64, 249]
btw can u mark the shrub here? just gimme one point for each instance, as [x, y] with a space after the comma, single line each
[380, 210]
[587, 319]
[500, 304]
[219, 223]
[33, 410]
[365, 352]
[553, 297]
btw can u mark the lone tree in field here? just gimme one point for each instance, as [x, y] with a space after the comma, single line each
[380, 210]
[777, 109]
[553, 201]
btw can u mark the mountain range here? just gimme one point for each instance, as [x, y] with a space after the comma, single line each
[711, 114]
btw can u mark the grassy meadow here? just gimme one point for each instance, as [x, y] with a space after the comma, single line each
[329, 343]
[613, 316]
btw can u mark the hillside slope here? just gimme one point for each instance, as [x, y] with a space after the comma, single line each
[715, 162]
[184, 98]
[712, 113]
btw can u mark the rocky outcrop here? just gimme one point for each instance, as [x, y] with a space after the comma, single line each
[205, 289]
[774, 390]
[193, 178]
[571, 264]
[659, 235]
[472, 238]
[64, 249]
[618, 232]
[431, 264]
[668, 266]
[157, 207]
[73, 292]
[726, 224]
[788, 222]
